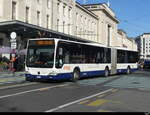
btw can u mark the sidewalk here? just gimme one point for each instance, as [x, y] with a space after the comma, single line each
[10, 77]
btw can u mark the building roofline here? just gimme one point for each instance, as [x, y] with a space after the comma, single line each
[86, 10]
[99, 4]
[93, 4]
[146, 33]
[104, 10]
[122, 31]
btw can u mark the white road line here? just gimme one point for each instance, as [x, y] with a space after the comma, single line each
[77, 101]
[15, 94]
[19, 85]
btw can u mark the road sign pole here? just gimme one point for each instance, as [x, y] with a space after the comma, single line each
[13, 42]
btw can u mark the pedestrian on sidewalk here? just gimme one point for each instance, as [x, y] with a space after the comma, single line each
[14, 63]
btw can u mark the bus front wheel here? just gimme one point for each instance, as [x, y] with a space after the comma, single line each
[76, 75]
[28, 79]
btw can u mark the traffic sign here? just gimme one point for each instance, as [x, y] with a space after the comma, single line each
[13, 45]
[13, 35]
[12, 40]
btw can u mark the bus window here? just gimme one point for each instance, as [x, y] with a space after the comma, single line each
[62, 55]
[101, 55]
[41, 56]
[132, 57]
[121, 56]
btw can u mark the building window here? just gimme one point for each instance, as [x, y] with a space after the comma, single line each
[57, 24]
[14, 10]
[38, 1]
[38, 18]
[80, 32]
[63, 26]
[69, 28]
[47, 20]
[143, 45]
[109, 35]
[48, 3]
[58, 7]
[27, 14]
[69, 13]
[77, 17]
[81, 20]
[76, 30]
[64, 9]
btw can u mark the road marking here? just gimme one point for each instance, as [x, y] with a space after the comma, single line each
[97, 102]
[100, 96]
[24, 92]
[77, 101]
[14, 86]
[83, 102]
[104, 111]
[115, 90]
[44, 89]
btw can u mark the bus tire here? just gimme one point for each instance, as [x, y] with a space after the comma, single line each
[27, 79]
[128, 70]
[76, 75]
[106, 74]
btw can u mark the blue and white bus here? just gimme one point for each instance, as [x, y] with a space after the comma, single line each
[57, 59]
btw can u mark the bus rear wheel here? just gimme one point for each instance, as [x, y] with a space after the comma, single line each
[76, 75]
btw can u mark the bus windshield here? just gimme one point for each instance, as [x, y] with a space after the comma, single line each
[40, 55]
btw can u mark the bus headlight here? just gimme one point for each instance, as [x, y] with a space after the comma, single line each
[53, 73]
[27, 72]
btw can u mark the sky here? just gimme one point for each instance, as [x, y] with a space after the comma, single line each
[134, 15]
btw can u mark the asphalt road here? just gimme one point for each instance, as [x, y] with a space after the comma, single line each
[119, 93]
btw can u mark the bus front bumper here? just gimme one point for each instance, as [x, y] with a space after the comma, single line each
[49, 77]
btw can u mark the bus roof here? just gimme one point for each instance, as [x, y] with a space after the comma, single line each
[123, 48]
[91, 44]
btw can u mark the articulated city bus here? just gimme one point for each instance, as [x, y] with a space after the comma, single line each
[57, 59]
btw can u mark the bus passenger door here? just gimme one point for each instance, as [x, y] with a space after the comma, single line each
[113, 61]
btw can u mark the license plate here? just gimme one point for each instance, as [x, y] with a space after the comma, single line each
[39, 77]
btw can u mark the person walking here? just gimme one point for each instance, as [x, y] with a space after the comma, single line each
[14, 64]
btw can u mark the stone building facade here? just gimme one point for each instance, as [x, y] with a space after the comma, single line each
[143, 42]
[94, 22]
[124, 41]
